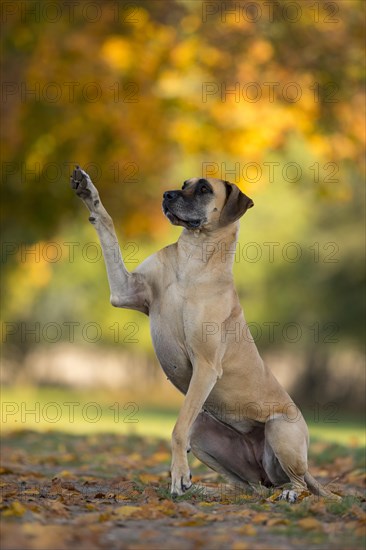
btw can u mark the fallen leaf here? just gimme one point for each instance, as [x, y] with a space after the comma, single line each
[302, 495]
[66, 473]
[119, 497]
[192, 522]
[31, 492]
[161, 456]
[358, 512]
[5, 470]
[149, 478]
[16, 508]
[310, 524]
[244, 513]
[356, 476]
[260, 518]
[9, 489]
[317, 506]
[167, 507]
[278, 521]
[186, 509]
[57, 507]
[239, 545]
[86, 519]
[247, 530]
[56, 486]
[150, 494]
[274, 496]
[105, 516]
[127, 511]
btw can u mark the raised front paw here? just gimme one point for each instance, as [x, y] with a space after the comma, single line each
[81, 182]
[181, 481]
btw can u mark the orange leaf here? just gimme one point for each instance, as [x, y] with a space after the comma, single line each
[247, 530]
[128, 511]
[149, 478]
[260, 518]
[278, 521]
[310, 524]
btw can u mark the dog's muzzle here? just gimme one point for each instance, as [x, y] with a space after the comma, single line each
[169, 202]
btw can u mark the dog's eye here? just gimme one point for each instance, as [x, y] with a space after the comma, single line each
[205, 189]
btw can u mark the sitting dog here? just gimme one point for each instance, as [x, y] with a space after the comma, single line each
[236, 417]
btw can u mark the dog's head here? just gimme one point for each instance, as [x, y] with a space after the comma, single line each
[205, 203]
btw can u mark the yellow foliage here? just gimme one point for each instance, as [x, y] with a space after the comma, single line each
[261, 51]
[117, 52]
[184, 54]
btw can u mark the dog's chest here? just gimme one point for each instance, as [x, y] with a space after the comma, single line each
[167, 332]
[171, 355]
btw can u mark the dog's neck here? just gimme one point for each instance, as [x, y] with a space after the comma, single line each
[209, 248]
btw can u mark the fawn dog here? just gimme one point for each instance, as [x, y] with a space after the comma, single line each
[187, 290]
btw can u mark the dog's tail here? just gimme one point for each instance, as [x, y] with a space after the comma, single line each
[317, 489]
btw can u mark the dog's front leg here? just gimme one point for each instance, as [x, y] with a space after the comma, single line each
[127, 289]
[203, 379]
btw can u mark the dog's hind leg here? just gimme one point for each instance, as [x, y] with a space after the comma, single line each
[285, 453]
[234, 455]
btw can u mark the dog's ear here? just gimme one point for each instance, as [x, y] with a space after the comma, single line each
[237, 203]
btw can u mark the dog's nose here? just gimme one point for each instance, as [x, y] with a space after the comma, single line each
[170, 195]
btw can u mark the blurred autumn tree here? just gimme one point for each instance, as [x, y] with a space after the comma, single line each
[113, 87]
[148, 93]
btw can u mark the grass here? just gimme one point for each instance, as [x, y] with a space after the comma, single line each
[91, 412]
[97, 483]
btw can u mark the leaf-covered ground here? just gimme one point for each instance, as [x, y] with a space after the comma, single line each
[62, 491]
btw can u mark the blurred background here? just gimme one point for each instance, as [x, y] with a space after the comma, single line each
[144, 95]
